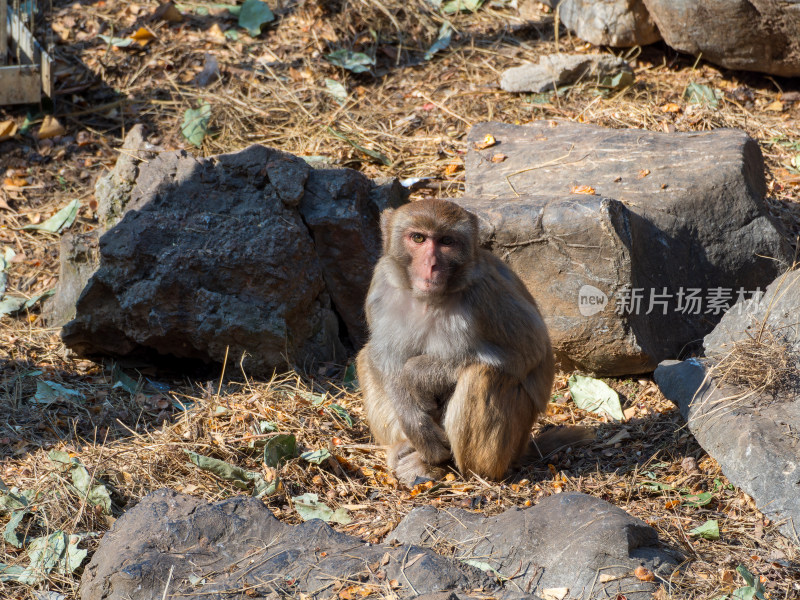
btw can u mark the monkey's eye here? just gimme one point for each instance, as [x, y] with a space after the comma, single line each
[446, 241]
[417, 238]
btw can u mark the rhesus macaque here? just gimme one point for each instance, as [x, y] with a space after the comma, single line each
[458, 364]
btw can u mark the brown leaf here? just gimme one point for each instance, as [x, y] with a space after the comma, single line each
[50, 128]
[776, 106]
[499, 157]
[8, 129]
[216, 34]
[167, 12]
[670, 107]
[582, 189]
[644, 574]
[450, 170]
[142, 36]
[488, 142]
[644, 173]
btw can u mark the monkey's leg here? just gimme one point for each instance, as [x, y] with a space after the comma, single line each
[378, 408]
[488, 421]
[423, 388]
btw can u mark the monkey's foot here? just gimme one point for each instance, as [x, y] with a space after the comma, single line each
[411, 466]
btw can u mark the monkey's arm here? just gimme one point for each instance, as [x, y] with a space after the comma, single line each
[424, 386]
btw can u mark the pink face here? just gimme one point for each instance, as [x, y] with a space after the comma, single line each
[432, 257]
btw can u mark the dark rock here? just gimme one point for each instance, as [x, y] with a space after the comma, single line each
[753, 434]
[210, 258]
[753, 437]
[562, 542]
[777, 310]
[236, 547]
[752, 35]
[555, 70]
[677, 211]
[617, 23]
[78, 253]
[238, 254]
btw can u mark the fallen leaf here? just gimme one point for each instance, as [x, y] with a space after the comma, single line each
[8, 129]
[357, 62]
[15, 182]
[451, 169]
[143, 36]
[643, 173]
[337, 90]
[454, 6]
[168, 12]
[595, 396]
[701, 94]
[116, 42]
[644, 574]
[195, 123]
[442, 41]
[253, 15]
[50, 128]
[488, 142]
[499, 157]
[309, 507]
[708, 530]
[63, 219]
[776, 106]
[582, 189]
[216, 34]
[670, 107]
[555, 593]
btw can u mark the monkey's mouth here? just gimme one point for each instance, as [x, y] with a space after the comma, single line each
[432, 285]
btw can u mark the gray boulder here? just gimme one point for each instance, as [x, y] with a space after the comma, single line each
[659, 215]
[751, 433]
[752, 35]
[555, 70]
[247, 254]
[562, 542]
[173, 545]
[617, 23]
[180, 546]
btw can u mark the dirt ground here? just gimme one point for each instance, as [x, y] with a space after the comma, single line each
[406, 117]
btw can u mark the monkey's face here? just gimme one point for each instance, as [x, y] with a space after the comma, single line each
[435, 257]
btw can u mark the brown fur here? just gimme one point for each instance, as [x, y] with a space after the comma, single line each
[459, 373]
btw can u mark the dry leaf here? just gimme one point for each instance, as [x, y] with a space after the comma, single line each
[644, 173]
[216, 34]
[776, 106]
[50, 128]
[8, 129]
[15, 182]
[555, 593]
[670, 107]
[450, 170]
[644, 574]
[660, 593]
[167, 12]
[582, 189]
[488, 142]
[499, 157]
[143, 36]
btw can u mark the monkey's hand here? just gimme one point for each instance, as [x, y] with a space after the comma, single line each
[408, 464]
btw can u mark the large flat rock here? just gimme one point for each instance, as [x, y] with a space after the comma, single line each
[670, 213]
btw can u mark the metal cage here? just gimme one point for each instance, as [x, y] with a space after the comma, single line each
[25, 68]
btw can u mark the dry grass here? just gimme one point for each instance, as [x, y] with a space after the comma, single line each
[416, 113]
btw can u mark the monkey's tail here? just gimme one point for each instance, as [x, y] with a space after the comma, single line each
[550, 441]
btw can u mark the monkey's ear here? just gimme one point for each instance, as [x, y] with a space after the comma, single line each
[386, 227]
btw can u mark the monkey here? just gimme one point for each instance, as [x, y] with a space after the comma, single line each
[459, 363]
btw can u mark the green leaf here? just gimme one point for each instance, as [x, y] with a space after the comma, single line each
[744, 593]
[708, 530]
[337, 90]
[115, 41]
[454, 6]
[372, 153]
[232, 35]
[240, 477]
[98, 495]
[595, 396]
[316, 457]
[442, 42]
[617, 81]
[697, 500]
[59, 221]
[339, 412]
[10, 533]
[12, 573]
[13, 304]
[267, 426]
[485, 567]
[253, 15]
[350, 377]
[357, 62]
[280, 448]
[312, 397]
[195, 123]
[48, 392]
[656, 486]
[697, 93]
[124, 381]
[309, 507]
